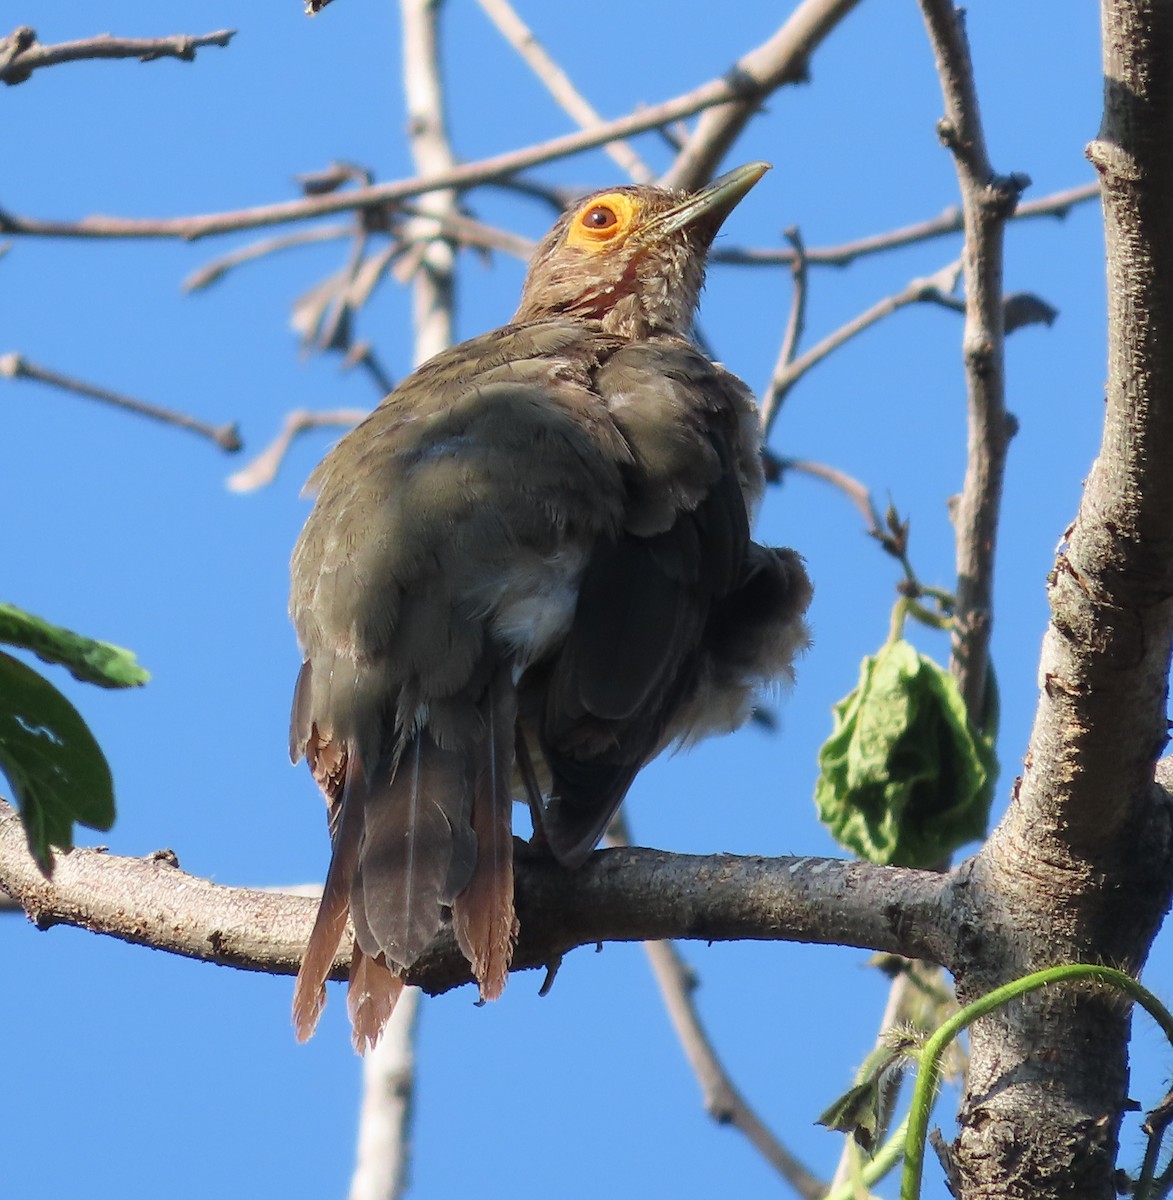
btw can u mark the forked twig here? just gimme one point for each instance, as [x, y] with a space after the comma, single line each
[263, 469]
[928, 289]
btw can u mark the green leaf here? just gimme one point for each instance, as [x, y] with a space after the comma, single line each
[88, 660]
[905, 777]
[57, 770]
[857, 1111]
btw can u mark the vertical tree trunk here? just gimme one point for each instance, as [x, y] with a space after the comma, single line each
[1080, 868]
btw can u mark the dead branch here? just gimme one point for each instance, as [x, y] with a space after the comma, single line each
[191, 228]
[783, 59]
[986, 201]
[1056, 205]
[519, 35]
[263, 469]
[16, 366]
[932, 289]
[722, 1099]
[387, 1107]
[21, 54]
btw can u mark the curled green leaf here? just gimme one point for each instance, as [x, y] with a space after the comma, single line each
[58, 773]
[905, 777]
[87, 659]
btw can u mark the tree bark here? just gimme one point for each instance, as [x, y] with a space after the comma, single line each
[1080, 868]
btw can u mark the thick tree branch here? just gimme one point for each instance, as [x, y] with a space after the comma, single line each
[620, 895]
[1080, 868]
[21, 54]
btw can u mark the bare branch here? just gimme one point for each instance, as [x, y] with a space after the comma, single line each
[796, 322]
[16, 366]
[717, 91]
[214, 271]
[433, 295]
[263, 469]
[21, 54]
[722, 1099]
[986, 200]
[1056, 205]
[619, 895]
[386, 1111]
[362, 354]
[780, 60]
[519, 35]
[932, 289]
[856, 492]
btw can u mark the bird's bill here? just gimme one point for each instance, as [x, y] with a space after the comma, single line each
[709, 207]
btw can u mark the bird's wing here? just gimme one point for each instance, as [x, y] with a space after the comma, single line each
[633, 653]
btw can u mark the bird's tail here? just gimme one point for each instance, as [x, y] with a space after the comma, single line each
[482, 915]
[427, 835]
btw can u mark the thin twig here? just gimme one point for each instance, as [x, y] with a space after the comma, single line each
[721, 1097]
[987, 200]
[1056, 205]
[796, 320]
[16, 366]
[519, 35]
[362, 354]
[932, 289]
[21, 54]
[214, 271]
[263, 469]
[856, 492]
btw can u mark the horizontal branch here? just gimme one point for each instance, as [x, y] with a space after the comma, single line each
[1057, 205]
[620, 895]
[717, 91]
[21, 54]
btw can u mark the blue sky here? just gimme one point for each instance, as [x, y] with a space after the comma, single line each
[124, 1067]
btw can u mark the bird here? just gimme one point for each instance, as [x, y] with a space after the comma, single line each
[525, 574]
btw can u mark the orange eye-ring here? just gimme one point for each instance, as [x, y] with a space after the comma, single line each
[602, 221]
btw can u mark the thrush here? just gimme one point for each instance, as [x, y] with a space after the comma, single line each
[528, 571]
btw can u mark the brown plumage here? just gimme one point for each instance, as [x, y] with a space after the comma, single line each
[529, 569]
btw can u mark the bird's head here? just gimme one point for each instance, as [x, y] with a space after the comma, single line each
[632, 257]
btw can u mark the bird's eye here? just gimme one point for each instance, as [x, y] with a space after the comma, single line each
[603, 222]
[599, 217]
